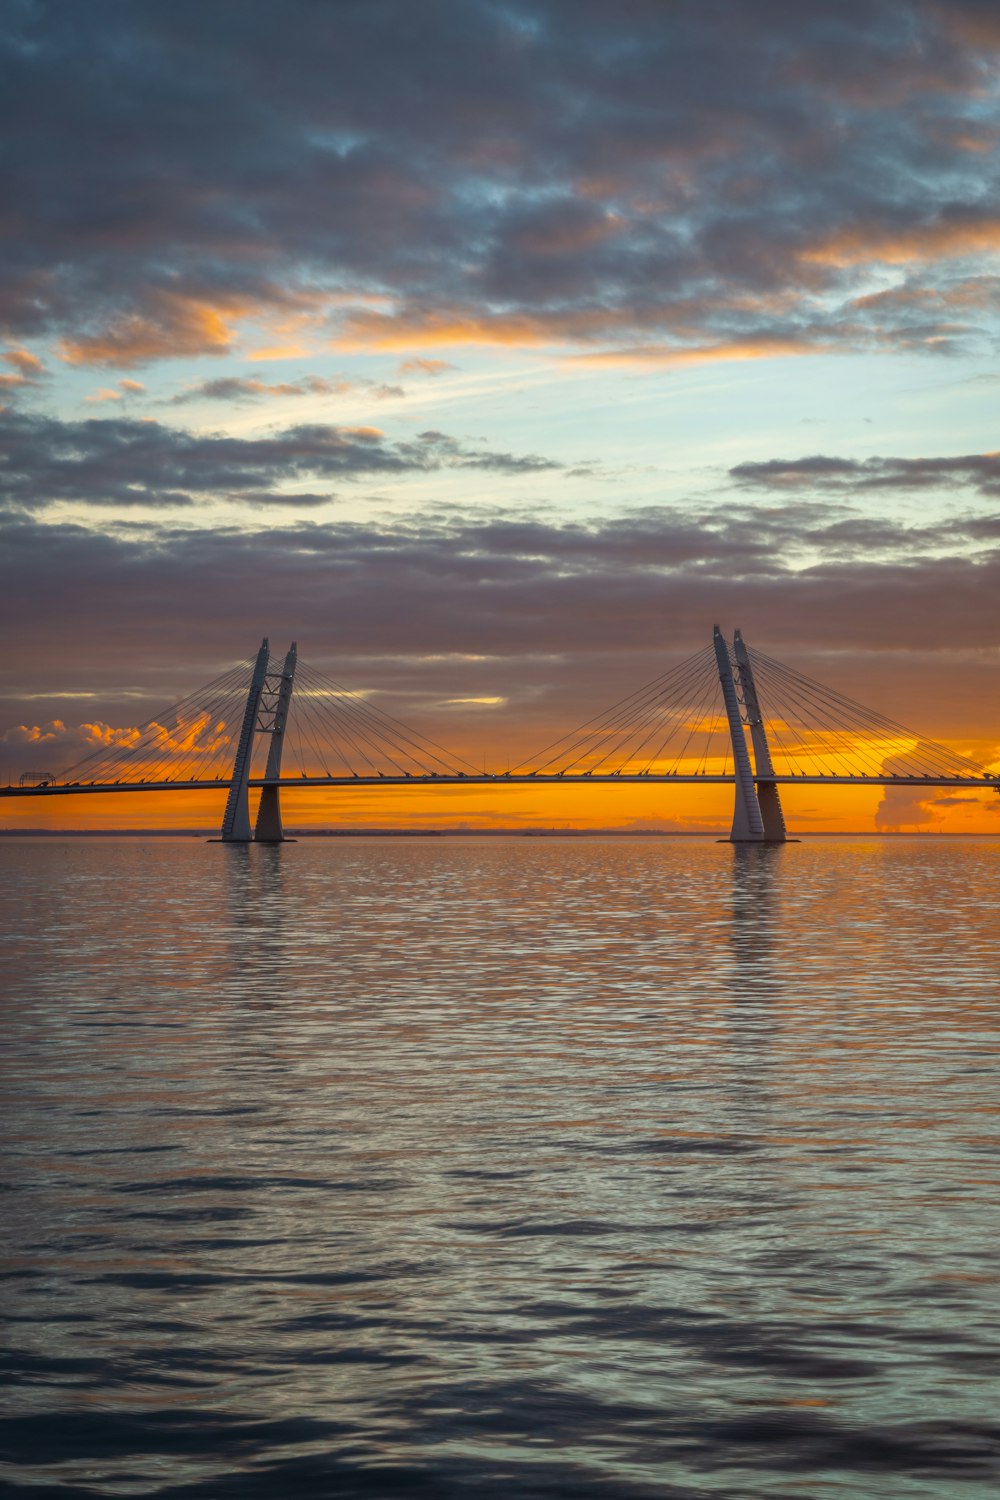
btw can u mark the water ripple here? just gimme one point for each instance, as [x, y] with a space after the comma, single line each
[482, 1167]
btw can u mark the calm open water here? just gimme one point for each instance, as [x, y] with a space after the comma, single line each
[501, 1168]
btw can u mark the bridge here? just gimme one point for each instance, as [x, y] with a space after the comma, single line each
[702, 722]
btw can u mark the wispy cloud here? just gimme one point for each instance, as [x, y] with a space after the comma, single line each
[430, 367]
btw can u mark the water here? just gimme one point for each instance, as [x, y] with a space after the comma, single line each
[501, 1167]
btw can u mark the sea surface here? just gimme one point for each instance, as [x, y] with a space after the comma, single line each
[500, 1168]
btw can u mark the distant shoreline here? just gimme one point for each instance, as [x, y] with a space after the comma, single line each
[718, 834]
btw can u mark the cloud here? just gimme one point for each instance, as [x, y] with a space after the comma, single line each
[128, 463]
[27, 365]
[902, 808]
[979, 472]
[58, 745]
[946, 237]
[52, 742]
[647, 356]
[170, 326]
[27, 368]
[705, 179]
[957, 801]
[251, 388]
[120, 392]
[493, 702]
[430, 367]
[610, 599]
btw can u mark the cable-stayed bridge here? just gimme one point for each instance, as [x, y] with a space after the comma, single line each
[728, 714]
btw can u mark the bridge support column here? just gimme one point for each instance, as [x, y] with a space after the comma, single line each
[236, 819]
[767, 791]
[748, 824]
[269, 829]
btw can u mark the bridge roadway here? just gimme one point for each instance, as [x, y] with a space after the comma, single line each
[498, 778]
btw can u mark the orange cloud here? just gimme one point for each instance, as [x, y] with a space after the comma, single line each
[82, 736]
[898, 247]
[366, 330]
[36, 734]
[27, 365]
[27, 369]
[199, 734]
[401, 331]
[642, 356]
[175, 326]
[405, 329]
[278, 351]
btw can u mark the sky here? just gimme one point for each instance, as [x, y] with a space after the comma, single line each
[495, 352]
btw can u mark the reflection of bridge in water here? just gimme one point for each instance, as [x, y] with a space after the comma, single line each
[675, 730]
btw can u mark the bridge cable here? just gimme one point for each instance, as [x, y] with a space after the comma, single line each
[866, 724]
[146, 748]
[592, 728]
[382, 729]
[637, 713]
[327, 720]
[151, 757]
[101, 762]
[835, 742]
[694, 718]
[666, 707]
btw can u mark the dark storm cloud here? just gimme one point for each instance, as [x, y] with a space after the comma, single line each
[552, 169]
[979, 472]
[143, 463]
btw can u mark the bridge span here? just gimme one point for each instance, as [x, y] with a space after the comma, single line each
[653, 737]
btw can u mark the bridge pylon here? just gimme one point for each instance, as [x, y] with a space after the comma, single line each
[275, 702]
[748, 821]
[767, 791]
[236, 818]
[748, 813]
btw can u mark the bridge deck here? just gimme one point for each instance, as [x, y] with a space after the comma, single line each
[503, 778]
